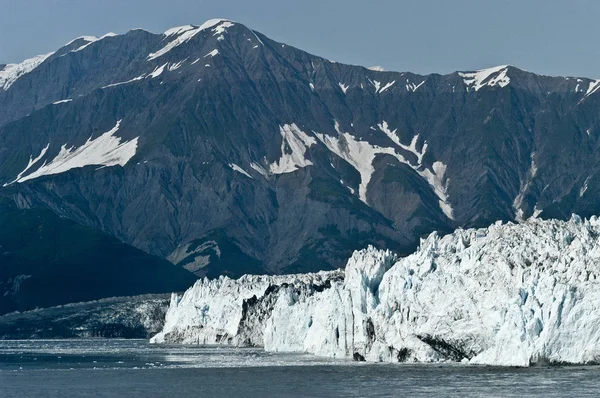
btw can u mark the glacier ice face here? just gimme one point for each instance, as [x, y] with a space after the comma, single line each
[509, 294]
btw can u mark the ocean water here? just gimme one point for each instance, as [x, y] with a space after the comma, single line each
[134, 368]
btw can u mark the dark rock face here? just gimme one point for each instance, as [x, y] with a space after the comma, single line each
[47, 261]
[253, 156]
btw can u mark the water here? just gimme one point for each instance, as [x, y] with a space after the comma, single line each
[133, 368]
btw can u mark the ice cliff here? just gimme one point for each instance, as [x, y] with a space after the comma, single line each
[510, 294]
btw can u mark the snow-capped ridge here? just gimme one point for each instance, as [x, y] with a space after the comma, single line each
[490, 77]
[182, 34]
[11, 72]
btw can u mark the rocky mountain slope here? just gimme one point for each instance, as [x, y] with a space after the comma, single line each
[510, 295]
[47, 261]
[227, 152]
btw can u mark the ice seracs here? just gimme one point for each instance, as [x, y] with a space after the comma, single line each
[509, 294]
[106, 150]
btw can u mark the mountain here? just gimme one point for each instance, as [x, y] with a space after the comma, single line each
[506, 295]
[46, 260]
[226, 152]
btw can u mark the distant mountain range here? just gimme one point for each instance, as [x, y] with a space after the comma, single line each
[225, 152]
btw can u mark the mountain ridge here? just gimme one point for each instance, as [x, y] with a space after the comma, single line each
[289, 160]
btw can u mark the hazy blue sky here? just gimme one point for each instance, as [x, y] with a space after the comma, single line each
[556, 37]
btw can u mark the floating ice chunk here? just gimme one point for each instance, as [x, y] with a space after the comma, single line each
[497, 76]
[105, 150]
[298, 142]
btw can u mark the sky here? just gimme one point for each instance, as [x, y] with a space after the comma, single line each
[553, 37]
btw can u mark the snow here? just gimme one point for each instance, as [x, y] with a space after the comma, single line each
[158, 71]
[176, 31]
[343, 87]
[32, 161]
[12, 72]
[388, 85]
[518, 202]
[507, 295]
[376, 68]
[62, 101]
[312, 86]
[584, 187]
[592, 88]
[375, 84]
[298, 142]
[92, 39]
[412, 86]
[497, 76]
[360, 154]
[135, 79]
[106, 150]
[212, 53]
[186, 33]
[237, 168]
[261, 170]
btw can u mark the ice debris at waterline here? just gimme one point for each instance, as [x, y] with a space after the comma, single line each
[510, 294]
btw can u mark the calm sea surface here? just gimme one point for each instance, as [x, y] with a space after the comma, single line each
[133, 368]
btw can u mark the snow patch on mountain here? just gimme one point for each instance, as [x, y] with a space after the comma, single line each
[135, 79]
[525, 185]
[410, 86]
[360, 154]
[344, 87]
[497, 76]
[62, 101]
[158, 71]
[592, 88]
[183, 34]
[212, 53]
[12, 72]
[106, 150]
[92, 39]
[237, 168]
[293, 149]
[508, 295]
[388, 85]
[376, 68]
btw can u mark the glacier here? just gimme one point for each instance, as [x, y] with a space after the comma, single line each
[507, 295]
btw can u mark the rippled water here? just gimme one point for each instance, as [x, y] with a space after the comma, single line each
[133, 368]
